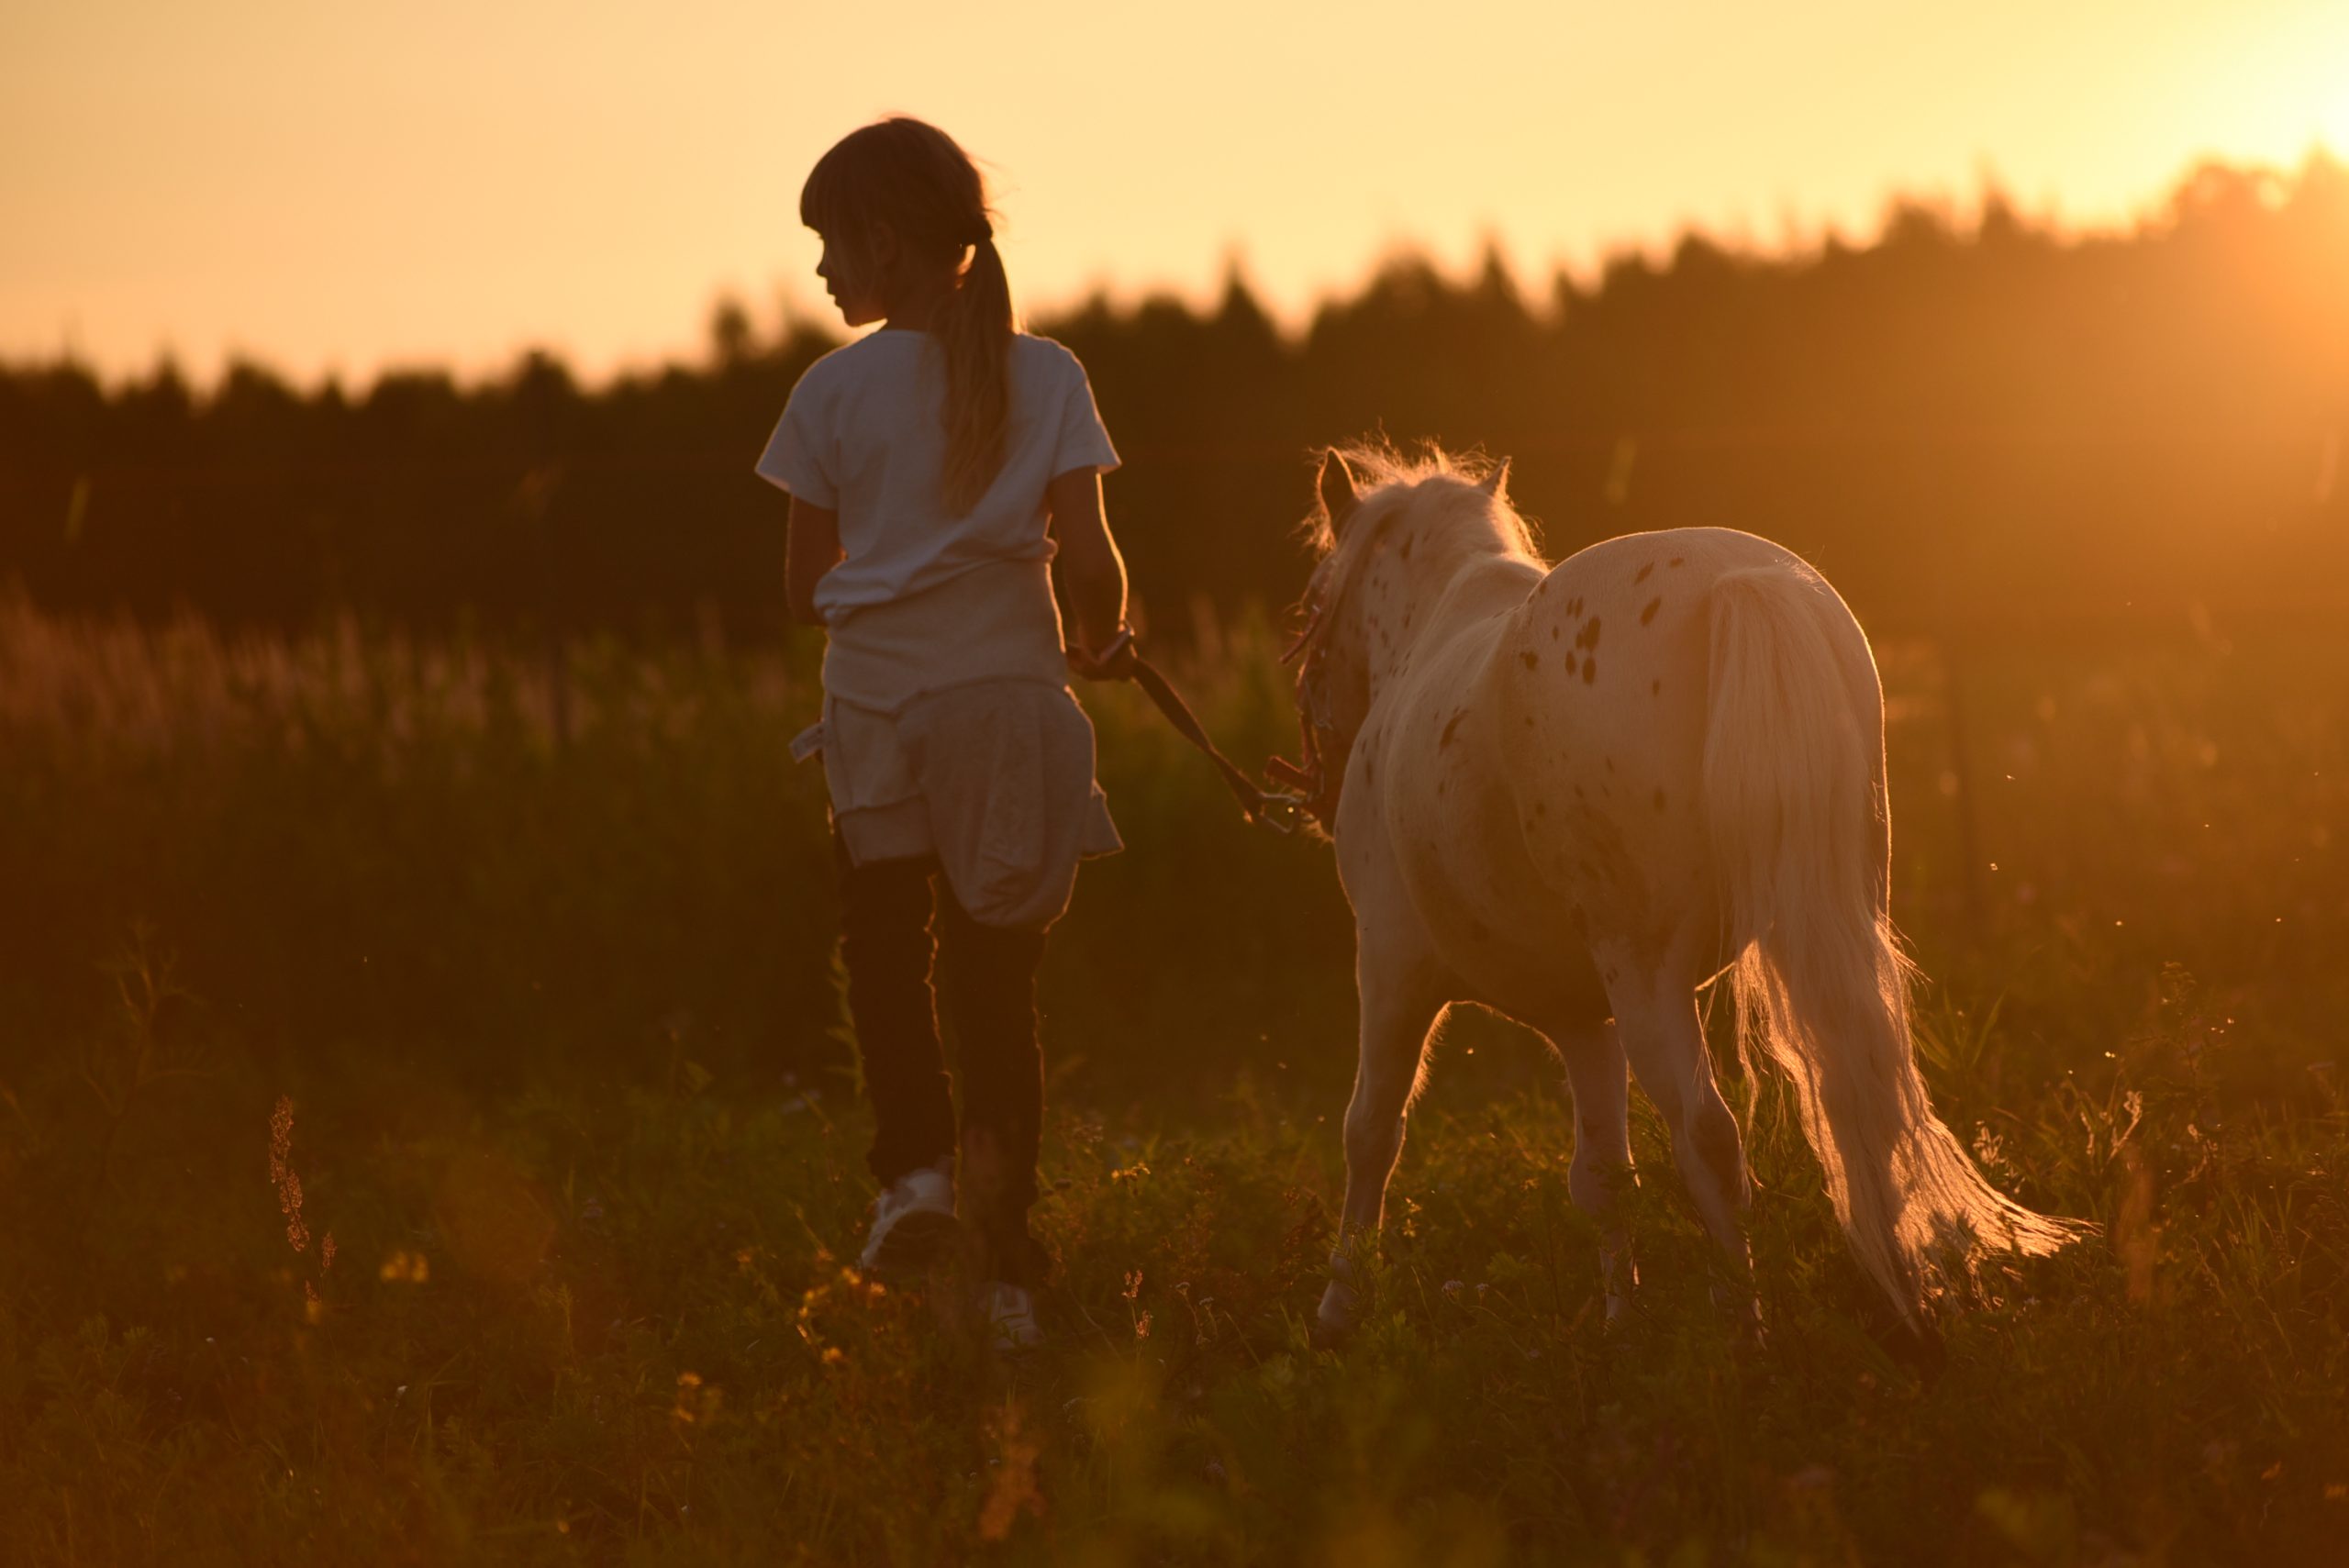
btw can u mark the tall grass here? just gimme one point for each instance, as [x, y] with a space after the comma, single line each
[535, 948]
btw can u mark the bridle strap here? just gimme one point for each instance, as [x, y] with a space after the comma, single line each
[1311, 775]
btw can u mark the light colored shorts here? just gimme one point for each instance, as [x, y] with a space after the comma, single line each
[995, 778]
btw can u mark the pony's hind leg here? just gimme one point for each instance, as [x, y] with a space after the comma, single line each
[1665, 1043]
[1400, 1002]
[1599, 1076]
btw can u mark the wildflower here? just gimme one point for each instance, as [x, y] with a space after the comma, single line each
[289, 1200]
[694, 1402]
[282, 1176]
[281, 1136]
[410, 1267]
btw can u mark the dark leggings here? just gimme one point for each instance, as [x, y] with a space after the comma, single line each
[988, 978]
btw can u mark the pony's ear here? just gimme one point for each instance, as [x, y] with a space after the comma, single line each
[1495, 483]
[1339, 495]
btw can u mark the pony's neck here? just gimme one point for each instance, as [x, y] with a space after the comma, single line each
[1423, 579]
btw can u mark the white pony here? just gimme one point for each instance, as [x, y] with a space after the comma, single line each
[1577, 795]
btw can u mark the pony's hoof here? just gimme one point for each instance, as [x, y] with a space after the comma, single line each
[1340, 1309]
[1617, 1279]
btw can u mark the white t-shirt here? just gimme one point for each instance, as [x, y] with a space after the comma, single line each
[923, 599]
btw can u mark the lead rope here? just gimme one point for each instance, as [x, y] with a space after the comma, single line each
[1280, 812]
[1283, 811]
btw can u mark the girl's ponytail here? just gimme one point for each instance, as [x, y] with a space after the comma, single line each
[917, 179]
[976, 335]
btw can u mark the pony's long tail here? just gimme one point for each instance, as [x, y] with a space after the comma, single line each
[1800, 824]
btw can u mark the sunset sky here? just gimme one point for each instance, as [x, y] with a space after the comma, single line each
[337, 187]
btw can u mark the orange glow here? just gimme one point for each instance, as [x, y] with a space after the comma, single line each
[340, 187]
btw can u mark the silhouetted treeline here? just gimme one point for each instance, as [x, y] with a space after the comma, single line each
[1961, 424]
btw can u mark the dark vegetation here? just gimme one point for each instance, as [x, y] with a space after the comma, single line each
[1984, 424]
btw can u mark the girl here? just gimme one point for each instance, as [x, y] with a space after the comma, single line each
[936, 470]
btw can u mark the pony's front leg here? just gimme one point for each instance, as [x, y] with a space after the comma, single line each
[1402, 994]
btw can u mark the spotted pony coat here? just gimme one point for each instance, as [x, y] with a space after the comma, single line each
[1576, 795]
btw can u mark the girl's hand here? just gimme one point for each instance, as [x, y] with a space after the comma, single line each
[1089, 565]
[1113, 662]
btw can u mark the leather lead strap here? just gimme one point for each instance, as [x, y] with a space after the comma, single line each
[1259, 807]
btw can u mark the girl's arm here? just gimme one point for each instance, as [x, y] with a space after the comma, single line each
[1089, 562]
[811, 548]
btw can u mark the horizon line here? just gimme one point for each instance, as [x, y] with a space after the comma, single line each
[1539, 287]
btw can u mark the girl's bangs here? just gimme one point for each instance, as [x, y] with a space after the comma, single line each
[827, 201]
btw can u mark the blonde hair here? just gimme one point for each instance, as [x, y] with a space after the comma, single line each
[917, 179]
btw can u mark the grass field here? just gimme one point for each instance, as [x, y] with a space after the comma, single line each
[518, 993]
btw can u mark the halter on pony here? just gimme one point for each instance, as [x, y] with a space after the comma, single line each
[1314, 783]
[1319, 772]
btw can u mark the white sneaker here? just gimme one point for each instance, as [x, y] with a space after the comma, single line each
[913, 1220]
[1011, 1316]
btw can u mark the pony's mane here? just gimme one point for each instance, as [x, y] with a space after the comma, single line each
[1447, 480]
